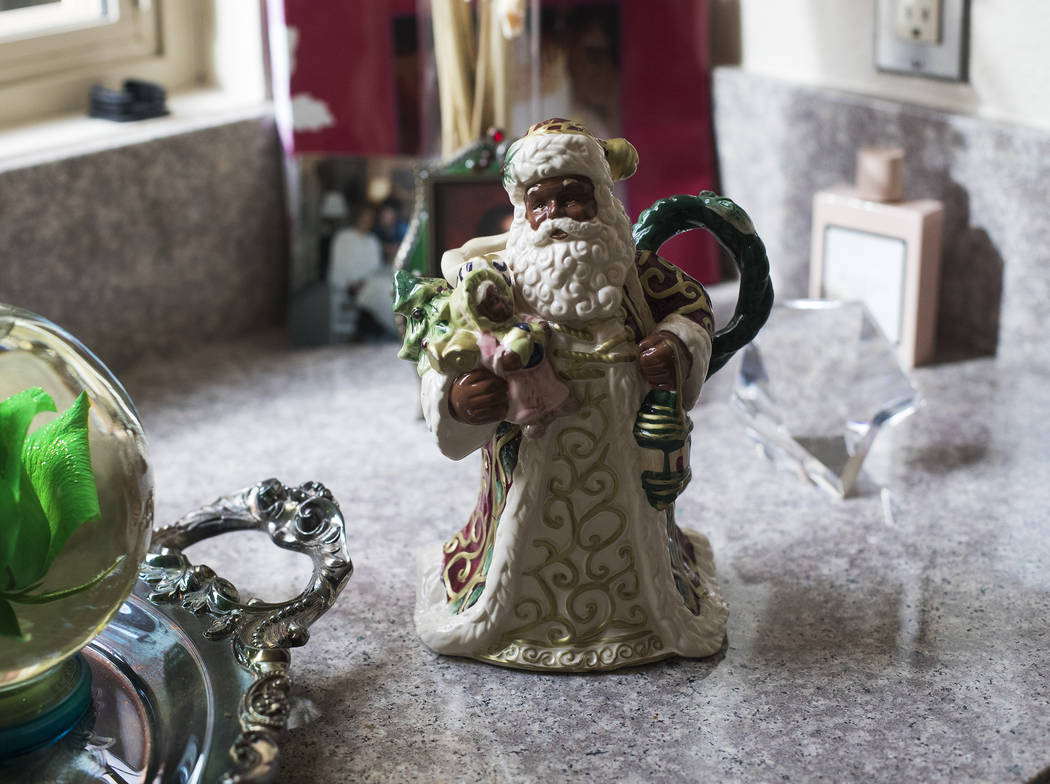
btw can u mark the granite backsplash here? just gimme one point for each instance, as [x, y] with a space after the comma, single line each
[778, 143]
[151, 248]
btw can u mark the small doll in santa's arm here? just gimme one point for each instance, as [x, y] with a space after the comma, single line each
[509, 345]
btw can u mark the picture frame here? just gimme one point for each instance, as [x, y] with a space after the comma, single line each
[463, 207]
[455, 201]
[349, 216]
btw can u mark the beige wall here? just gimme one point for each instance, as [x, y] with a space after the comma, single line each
[830, 43]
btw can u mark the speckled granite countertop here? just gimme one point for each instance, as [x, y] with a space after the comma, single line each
[897, 636]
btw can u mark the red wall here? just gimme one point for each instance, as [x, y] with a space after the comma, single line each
[344, 59]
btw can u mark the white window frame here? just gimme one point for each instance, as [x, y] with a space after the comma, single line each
[55, 15]
[130, 30]
[52, 74]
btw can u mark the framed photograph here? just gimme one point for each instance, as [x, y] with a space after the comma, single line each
[455, 202]
[350, 216]
[885, 254]
[466, 206]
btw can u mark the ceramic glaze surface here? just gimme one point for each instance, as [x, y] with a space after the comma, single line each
[572, 558]
[101, 556]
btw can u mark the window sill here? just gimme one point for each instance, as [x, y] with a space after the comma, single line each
[76, 135]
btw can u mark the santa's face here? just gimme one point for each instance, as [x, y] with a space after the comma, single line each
[560, 197]
[569, 249]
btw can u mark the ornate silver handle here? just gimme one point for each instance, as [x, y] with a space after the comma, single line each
[305, 519]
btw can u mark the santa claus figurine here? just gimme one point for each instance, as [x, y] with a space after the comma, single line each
[569, 561]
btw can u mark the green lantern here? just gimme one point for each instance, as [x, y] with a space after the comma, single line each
[664, 430]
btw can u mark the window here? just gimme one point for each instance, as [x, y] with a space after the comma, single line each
[51, 37]
[53, 51]
[31, 17]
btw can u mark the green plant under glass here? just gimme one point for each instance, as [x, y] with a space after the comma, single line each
[47, 491]
[76, 510]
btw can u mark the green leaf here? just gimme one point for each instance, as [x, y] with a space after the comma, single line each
[28, 563]
[9, 527]
[16, 414]
[9, 621]
[57, 460]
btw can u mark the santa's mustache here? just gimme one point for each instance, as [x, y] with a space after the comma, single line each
[573, 229]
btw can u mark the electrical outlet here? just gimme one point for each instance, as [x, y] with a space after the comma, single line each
[923, 37]
[918, 20]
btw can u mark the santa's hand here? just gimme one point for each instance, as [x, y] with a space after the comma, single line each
[478, 397]
[665, 361]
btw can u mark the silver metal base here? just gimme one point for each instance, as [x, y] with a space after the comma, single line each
[189, 683]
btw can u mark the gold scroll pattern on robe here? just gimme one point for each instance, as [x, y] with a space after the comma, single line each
[582, 608]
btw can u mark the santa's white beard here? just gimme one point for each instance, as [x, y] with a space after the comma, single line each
[573, 280]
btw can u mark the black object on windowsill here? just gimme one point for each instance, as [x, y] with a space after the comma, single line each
[138, 100]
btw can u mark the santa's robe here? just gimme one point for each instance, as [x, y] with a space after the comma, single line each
[564, 564]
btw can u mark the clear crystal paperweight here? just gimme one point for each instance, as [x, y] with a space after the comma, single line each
[818, 385]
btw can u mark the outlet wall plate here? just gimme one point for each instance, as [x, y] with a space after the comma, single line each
[918, 20]
[948, 59]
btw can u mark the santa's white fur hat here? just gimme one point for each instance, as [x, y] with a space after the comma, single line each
[557, 147]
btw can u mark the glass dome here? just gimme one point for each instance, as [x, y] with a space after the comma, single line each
[76, 496]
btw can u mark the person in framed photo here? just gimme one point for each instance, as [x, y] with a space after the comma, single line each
[359, 279]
